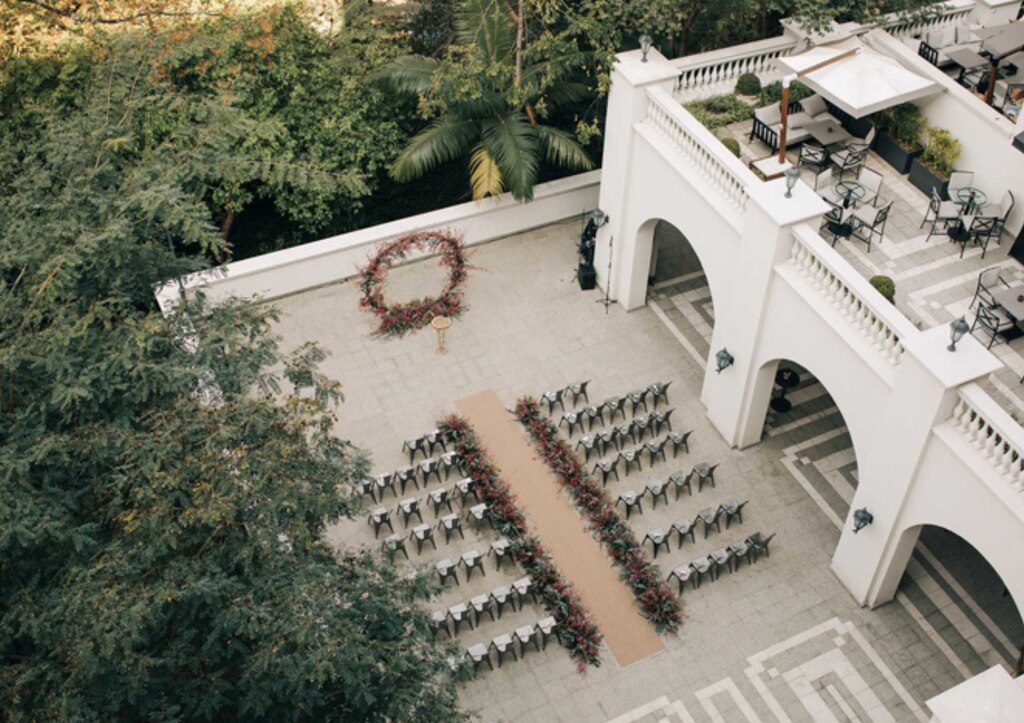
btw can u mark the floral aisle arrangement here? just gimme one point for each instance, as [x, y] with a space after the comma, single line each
[575, 629]
[400, 319]
[655, 598]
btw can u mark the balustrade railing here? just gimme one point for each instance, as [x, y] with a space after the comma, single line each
[714, 72]
[847, 291]
[699, 146]
[951, 14]
[992, 432]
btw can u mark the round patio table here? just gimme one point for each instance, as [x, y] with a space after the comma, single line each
[973, 198]
[786, 379]
[850, 191]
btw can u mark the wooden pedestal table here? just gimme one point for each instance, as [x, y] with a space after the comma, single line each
[441, 325]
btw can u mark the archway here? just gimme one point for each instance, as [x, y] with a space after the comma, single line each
[962, 600]
[678, 286]
[801, 421]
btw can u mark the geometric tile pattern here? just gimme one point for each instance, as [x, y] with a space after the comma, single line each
[830, 671]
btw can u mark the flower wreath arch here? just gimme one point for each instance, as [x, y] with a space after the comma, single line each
[400, 319]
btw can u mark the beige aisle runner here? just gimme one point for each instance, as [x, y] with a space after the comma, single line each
[563, 532]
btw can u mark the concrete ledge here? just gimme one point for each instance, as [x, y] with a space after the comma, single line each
[339, 257]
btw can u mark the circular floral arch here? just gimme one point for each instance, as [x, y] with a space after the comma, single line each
[400, 319]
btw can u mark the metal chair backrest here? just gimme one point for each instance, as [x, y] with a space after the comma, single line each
[882, 215]
[959, 179]
[1006, 205]
[870, 179]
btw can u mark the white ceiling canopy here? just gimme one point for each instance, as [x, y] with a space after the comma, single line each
[861, 84]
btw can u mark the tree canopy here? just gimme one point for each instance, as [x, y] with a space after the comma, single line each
[166, 481]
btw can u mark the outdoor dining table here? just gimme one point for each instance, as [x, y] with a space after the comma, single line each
[828, 133]
[850, 191]
[973, 199]
[1012, 302]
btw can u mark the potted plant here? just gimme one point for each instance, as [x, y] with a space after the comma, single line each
[932, 168]
[898, 140]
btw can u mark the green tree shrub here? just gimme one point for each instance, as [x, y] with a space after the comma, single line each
[719, 110]
[885, 286]
[748, 84]
[904, 123]
[941, 152]
[732, 144]
[772, 93]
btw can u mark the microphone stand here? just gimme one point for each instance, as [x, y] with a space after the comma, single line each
[607, 301]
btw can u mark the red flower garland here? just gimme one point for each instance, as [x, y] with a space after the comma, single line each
[400, 319]
[577, 632]
[656, 600]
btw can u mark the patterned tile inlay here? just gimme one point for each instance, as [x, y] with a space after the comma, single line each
[830, 671]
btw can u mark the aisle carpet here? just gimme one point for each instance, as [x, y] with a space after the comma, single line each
[555, 520]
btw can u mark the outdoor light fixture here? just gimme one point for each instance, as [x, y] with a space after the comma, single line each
[861, 519]
[599, 217]
[646, 41]
[957, 329]
[723, 360]
[792, 176]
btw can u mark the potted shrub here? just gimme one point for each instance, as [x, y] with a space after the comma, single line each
[932, 168]
[885, 286]
[898, 141]
[748, 84]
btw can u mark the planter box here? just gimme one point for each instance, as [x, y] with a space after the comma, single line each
[859, 127]
[924, 180]
[893, 153]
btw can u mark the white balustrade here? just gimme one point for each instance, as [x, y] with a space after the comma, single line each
[951, 14]
[699, 146]
[992, 432]
[715, 72]
[840, 288]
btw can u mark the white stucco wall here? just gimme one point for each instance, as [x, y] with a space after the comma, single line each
[339, 257]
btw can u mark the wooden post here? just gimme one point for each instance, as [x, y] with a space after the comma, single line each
[784, 101]
[784, 108]
[993, 71]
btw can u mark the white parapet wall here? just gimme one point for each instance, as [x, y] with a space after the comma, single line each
[339, 257]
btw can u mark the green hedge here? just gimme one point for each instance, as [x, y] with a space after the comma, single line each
[719, 110]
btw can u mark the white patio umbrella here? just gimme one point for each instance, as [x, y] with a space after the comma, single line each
[999, 41]
[864, 82]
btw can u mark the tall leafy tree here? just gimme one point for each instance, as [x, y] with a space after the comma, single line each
[162, 549]
[489, 98]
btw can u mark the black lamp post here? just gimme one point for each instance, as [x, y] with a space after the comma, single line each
[957, 329]
[723, 360]
[861, 519]
[646, 41]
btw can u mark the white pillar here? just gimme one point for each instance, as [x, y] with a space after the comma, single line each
[871, 562]
[627, 105]
[766, 240]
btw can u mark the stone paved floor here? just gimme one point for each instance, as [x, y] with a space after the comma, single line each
[779, 640]
[934, 285]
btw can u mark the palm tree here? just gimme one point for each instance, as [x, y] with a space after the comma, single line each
[497, 124]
